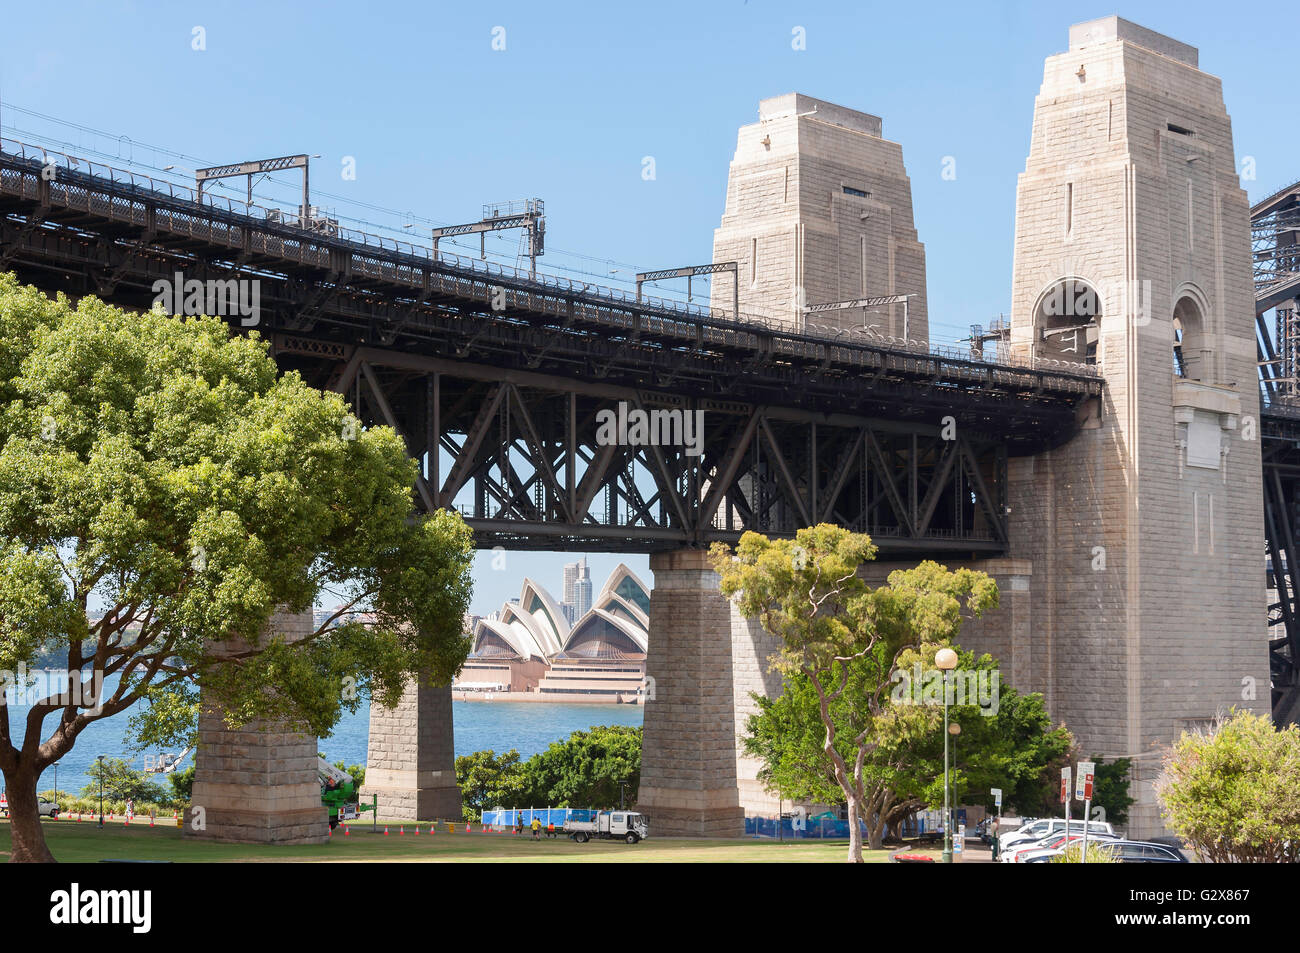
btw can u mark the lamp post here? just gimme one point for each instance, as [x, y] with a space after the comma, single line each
[954, 730]
[946, 660]
[56, 782]
[101, 792]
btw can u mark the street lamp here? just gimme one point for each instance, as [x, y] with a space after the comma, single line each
[56, 782]
[101, 792]
[953, 731]
[946, 660]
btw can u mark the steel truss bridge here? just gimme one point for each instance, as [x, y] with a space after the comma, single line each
[503, 375]
[1275, 237]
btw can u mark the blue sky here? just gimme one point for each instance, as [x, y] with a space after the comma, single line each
[439, 122]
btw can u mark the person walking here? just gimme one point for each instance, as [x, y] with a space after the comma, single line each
[536, 825]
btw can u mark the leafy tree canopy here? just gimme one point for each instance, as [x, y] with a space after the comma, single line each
[1230, 792]
[161, 476]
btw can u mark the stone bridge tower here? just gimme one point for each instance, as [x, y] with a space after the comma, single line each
[1145, 532]
[819, 209]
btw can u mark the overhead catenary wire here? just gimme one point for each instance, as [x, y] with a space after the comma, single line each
[612, 269]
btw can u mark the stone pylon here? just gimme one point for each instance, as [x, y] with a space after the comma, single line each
[819, 210]
[688, 761]
[411, 758]
[1145, 532]
[257, 783]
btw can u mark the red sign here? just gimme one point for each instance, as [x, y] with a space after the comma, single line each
[1083, 785]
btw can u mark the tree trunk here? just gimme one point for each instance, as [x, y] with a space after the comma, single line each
[874, 813]
[876, 832]
[855, 831]
[26, 834]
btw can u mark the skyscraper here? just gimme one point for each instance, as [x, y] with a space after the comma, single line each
[577, 588]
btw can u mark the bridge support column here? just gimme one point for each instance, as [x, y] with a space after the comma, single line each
[257, 783]
[688, 761]
[411, 758]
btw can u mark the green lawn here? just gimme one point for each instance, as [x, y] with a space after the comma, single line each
[84, 842]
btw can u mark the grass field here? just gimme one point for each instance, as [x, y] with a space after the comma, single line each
[71, 842]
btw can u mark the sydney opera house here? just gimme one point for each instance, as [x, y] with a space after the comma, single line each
[530, 652]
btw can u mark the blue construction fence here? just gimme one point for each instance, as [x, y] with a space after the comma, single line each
[815, 828]
[547, 815]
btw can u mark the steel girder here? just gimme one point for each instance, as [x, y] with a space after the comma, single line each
[521, 456]
[1282, 529]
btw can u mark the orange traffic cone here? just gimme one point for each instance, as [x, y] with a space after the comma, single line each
[385, 830]
[402, 829]
[347, 831]
[467, 827]
[415, 829]
[151, 819]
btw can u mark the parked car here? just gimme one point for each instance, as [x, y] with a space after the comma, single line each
[1006, 827]
[1145, 852]
[1046, 826]
[1053, 845]
[47, 808]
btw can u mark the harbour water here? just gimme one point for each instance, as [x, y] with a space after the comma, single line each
[529, 728]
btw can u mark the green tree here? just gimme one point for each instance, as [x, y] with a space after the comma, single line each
[1110, 789]
[807, 593]
[182, 782]
[585, 770]
[121, 781]
[164, 470]
[1230, 791]
[1005, 741]
[488, 780]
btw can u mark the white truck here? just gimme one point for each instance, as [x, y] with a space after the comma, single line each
[46, 808]
[609, 825]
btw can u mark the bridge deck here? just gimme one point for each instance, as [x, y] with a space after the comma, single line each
[116, 233]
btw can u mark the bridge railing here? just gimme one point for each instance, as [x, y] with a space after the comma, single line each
[303, 241]
[1282, 404]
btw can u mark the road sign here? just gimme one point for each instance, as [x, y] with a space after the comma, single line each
[1065, 785]
[997, 797]
[1083, 782]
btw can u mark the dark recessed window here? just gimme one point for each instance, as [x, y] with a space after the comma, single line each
[1180, 130]
[849, 190]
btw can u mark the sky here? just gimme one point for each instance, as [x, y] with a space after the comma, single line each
[438, 119]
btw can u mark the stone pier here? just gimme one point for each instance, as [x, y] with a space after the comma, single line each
[688, 766]
[257, 783]
[411, 759]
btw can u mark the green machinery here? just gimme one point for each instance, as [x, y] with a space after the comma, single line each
[338, 792]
